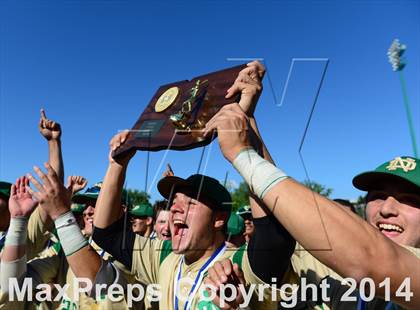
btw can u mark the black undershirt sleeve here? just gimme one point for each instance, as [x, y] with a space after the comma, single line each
[270, 249]
[116, 241]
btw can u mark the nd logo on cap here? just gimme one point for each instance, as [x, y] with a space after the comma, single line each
[406, 164]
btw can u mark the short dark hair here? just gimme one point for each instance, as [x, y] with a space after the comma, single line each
[346, 203]
[160, 205]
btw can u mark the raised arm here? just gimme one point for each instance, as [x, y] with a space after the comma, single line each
[110, 229]
[51, 131]
[357, 250]
[271, 246]
[249, 85]
[54, 198]
[21, 205]
[348, 244]
[108, 205]
[269, 235]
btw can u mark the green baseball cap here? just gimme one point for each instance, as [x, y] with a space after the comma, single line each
[236, 225]
[78, 208]
[197, 186]
[144, 209]
[5, 190]
[91, 194]
[403, 169]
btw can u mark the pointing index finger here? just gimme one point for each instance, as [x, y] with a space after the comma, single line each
[43, 115]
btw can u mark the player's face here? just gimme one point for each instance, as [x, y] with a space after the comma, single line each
[88, 214]
[395, 213]
[139, 224]
[249, 227]
[162, 225]
[191, 224]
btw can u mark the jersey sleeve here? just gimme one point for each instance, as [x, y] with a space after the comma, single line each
[37, 235]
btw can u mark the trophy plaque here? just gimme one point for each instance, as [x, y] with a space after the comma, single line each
[178, 112]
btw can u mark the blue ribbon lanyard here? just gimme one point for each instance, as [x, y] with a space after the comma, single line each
[198, 278]
[2, 240]
[101, 253]
[361, 304]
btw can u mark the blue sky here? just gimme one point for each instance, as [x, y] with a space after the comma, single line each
[94, 65]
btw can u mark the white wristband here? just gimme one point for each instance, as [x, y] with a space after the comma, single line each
[17, 232]
[257, 172]
[69, 233]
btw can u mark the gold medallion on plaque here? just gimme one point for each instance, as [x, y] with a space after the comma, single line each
[166, 99]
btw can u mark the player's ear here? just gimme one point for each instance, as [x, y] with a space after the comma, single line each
[220, 220]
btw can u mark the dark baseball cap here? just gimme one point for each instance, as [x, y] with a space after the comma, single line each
[199, 187]
[5, 190]
[245, 212]
[403, 169]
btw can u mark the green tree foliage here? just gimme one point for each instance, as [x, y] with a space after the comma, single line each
[240, 196]
[137, 197]
[318, 188]
[360, 206]
[361, 200]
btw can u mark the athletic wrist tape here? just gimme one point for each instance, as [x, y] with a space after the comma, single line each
[69, 233]
[257, 172]
[17, 232]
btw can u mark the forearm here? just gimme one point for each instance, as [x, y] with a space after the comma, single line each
[263, 151]
[15, 245]
[309, 201]
[108, 205]
[13, 261]
[56, 157]
[85, 263]
[83, 260]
